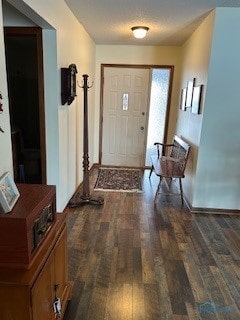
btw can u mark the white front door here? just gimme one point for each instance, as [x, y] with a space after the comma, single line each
[125, 105]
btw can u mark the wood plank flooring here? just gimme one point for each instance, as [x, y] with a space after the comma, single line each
[132, 260]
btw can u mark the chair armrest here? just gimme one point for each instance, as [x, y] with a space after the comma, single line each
[163, 144]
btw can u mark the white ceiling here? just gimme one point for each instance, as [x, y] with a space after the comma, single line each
[170, 21]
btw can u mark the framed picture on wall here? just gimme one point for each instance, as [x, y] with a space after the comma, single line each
[8, 193]
[189, 97]
[183, 99]
[196, 100]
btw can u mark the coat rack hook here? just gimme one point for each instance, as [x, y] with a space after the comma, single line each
[82, 87]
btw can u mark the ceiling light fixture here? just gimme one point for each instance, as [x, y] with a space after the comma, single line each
[139, 32]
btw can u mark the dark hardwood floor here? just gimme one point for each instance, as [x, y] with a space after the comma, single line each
[132, 260]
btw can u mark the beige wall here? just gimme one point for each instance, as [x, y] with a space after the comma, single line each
[210, 56]
[195, 55]
[143, 55]
[218, 174]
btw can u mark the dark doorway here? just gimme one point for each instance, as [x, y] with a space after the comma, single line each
[26, 105]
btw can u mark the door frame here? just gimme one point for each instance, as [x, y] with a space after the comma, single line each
[133, 66]
[36, 31]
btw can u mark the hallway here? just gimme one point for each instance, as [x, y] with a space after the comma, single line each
[133, 260]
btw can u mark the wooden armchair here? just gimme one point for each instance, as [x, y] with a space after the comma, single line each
[171, 162]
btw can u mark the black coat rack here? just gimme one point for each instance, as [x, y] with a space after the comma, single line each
[85, 198]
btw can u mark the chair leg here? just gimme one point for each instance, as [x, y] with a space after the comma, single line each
[158, 188]
[181, 190]
[150, 172]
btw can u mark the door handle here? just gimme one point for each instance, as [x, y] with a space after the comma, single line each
[142, 128]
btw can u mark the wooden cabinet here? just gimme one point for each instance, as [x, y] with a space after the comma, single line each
[42, 293]
[29, 294]
[51, 283]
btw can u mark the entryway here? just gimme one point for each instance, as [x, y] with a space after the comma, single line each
[135, 102]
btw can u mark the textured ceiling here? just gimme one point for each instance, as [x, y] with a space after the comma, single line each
[170, 21]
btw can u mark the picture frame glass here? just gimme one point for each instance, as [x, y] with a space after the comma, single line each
[9, 193]
[190, 86]
[196, 100]
[183, 99]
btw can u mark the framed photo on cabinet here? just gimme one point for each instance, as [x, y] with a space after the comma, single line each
[8, 193]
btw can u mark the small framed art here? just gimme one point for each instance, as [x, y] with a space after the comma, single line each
[8, 193]
[183, 99]
[196, 100]
[189, 97]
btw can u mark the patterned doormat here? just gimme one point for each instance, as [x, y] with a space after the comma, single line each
[115, 179]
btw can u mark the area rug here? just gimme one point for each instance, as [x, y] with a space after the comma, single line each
[115, 179]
